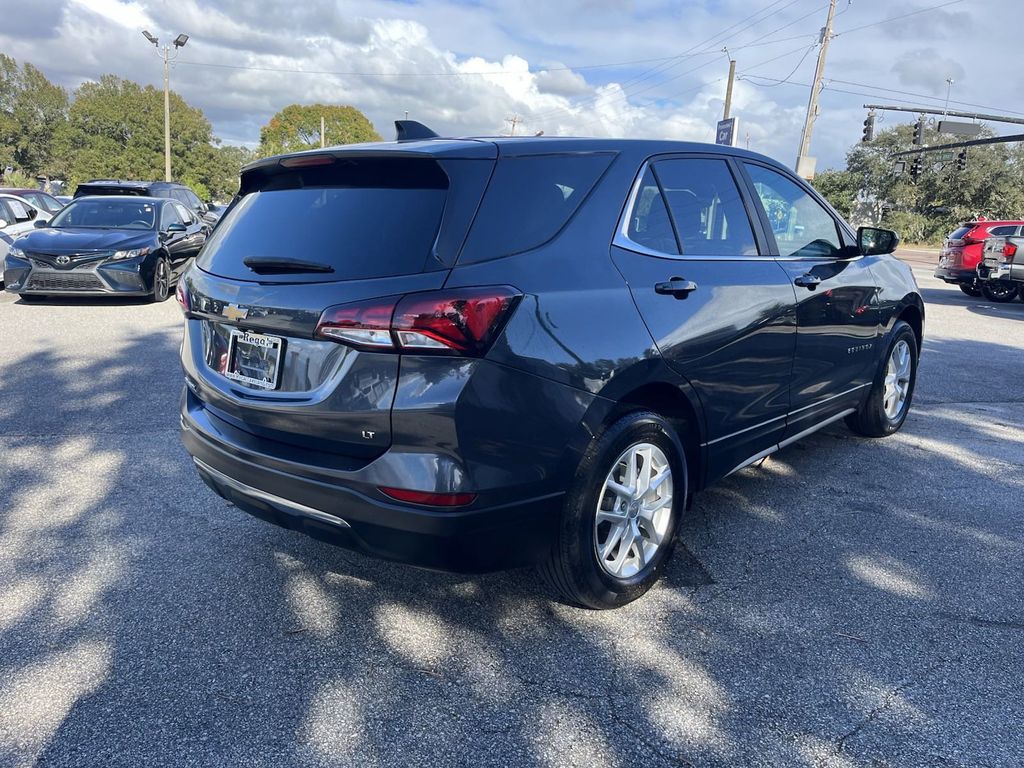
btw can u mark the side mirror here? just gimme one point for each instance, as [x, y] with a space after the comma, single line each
[41, 223]
[3, 223]
[872, 241]
[176, 228]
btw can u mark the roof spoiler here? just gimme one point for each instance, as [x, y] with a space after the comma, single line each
[410, 130]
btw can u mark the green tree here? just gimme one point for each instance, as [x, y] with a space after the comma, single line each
[297, 127]
[115, 129]
[32, 111]
[928, 208]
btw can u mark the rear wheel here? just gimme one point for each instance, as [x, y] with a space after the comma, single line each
[161, 280]
[620, 517]
[999, 291]
[887, 405]
[971, 289]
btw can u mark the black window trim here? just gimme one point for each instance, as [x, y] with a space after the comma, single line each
[740, 179]
[844, 232]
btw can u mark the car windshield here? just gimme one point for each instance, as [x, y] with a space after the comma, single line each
[107, 214]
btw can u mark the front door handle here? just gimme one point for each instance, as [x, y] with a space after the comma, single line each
[676, 286]
[808, 281]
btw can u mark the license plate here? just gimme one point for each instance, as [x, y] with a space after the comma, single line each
[254, 359]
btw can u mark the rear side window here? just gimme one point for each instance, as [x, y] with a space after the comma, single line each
[649, 223]
[960, 233]
[365, 218]
[706, 207]
[529, 200]
[1004, 231]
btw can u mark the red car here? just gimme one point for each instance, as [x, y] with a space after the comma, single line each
[960, 254]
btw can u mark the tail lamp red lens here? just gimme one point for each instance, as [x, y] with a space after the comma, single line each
[1009, 251]
[181, 294]
[461, 321]
[429, 499]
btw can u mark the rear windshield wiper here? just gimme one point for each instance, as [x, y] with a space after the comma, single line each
[269, 265]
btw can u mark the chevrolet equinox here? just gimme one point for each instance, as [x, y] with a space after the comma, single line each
[474, 354]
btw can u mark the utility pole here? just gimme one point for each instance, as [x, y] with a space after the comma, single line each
[804, 163]
[167, 114]
[166, 54]
[513, 122]
[728, 89]
[322, 141]
[949, 87]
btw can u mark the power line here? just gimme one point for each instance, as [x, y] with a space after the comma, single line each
[901, 16]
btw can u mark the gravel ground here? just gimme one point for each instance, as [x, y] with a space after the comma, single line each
[847, 603]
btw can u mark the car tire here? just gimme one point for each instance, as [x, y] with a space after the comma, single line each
[876, 416]
[999, 291]
[161, 280]
[971, 289]
[635, 532]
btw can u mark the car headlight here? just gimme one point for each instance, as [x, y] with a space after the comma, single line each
[16, 252]
[134, 253]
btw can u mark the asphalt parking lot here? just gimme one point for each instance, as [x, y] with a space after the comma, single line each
[847, 603]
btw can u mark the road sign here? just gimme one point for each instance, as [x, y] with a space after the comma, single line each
[959, 128]
[727, 130]
[944, 157]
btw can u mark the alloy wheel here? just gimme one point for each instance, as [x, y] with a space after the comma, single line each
[897, 380]
[161, 280]
[633, 510]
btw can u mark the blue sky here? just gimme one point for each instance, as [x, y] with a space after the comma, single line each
[464, 67]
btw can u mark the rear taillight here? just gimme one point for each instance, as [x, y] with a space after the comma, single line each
[181, 294]
[975, 236]
[461, 321]
[1009, 251]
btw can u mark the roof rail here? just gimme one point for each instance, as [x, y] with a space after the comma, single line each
[410, 130]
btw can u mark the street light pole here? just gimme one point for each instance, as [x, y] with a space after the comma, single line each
[165, 54]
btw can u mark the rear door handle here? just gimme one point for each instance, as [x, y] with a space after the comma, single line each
[808, 281]
[676, 286]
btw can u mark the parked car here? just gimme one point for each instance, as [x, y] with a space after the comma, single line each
[16, 218]
[961, 252]
[106, 245]
[39, 200]
[165, 189]
[1001, 269]
[552, 348]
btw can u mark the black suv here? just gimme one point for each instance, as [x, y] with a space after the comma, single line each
[471, 354]
[166, 189]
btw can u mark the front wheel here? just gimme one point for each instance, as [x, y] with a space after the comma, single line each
[161, 280]
[887, 405]
[999, 291]
[620, 516]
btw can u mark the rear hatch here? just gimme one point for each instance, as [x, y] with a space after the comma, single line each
[308, 233]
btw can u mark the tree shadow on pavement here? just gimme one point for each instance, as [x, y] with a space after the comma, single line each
[847, 601]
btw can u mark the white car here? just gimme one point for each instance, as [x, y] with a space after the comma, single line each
[17, 217]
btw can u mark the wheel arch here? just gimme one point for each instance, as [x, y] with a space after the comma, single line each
[911, 312]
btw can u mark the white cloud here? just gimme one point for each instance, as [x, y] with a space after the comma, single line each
[426, 58]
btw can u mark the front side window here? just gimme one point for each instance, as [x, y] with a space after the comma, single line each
[185, 214]
[170, 216]
[801, 225]
[706, 207]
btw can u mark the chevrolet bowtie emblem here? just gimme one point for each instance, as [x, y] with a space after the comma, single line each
[235, 312]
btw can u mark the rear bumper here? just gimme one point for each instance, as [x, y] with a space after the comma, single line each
[956, 275]
[345, 512]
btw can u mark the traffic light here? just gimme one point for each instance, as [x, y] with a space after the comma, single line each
[961, 160]
[869, 128]
[915, 168]
[919, 132]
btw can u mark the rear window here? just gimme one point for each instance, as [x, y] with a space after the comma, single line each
[958, 234]
[102, 189]
[529, 200]
[365, 218]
